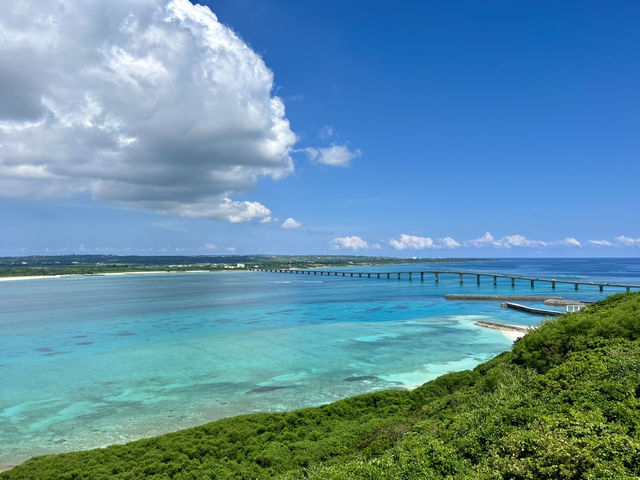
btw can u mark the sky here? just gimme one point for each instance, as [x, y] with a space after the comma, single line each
[417, 128]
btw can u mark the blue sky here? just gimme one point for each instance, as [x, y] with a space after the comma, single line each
[409, 129]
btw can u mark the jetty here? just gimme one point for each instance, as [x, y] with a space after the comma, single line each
[410, 275]
[535, 311]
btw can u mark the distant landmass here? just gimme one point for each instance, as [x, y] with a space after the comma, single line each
[37, 265]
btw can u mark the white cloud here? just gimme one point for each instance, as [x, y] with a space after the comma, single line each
[326, 132]
[353, 242]
[412, 242]
[210, 246]
[628, 241]
[448, 242]
[570, 242]
[152, 104]
[231, 249]
[486, 239]
[601, 243]
[335, 155]
[518, 241]
[290, 223]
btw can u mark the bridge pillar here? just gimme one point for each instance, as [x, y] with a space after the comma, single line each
[359, 275]
[351, 275]
[532, 283]
[628, 289]
[601, 287]
[398, 275]
[368, 275]
[378, 275]
[513, 282]
[343, 274]
[553, 284]
[335, 274]
[576, 286]
[422, 276]
[478, 279]
[436, 275]
[495, 281]
[461, 279]
[388, 275]
[410, 274]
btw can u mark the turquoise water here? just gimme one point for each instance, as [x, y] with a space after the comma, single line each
[91, 361]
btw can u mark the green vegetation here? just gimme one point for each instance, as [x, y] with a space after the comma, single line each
[96, 264]
[563, 404]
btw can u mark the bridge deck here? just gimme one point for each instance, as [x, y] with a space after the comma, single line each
[460, 274]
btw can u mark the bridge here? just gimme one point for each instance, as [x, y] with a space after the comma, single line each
[437, 273]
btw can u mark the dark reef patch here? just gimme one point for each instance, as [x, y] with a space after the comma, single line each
[269, 388]
[361, 378]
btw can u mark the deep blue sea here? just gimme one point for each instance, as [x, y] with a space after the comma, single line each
[91, 361]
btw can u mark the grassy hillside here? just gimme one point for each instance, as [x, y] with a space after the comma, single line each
[564, 404]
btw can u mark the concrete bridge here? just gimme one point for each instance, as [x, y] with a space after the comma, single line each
[461, 276]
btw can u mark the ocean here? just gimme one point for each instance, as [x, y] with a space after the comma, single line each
[90, 361]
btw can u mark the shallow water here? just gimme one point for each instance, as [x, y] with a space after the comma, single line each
[91, 361]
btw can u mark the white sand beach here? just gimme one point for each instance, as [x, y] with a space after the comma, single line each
[151, 272]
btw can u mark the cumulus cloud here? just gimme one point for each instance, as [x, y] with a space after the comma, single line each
[353, 242]
[518, 241]
[570, 242]
[290, 223]
[335, 155]
[152, 104]
[210, 246]
[601, 243]
[628, 241]
[448, 242]
[412, 242]
[486, 239]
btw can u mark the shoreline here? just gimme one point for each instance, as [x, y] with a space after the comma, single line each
[110, 274]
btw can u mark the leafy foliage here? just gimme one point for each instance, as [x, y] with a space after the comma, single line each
[564, 404]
